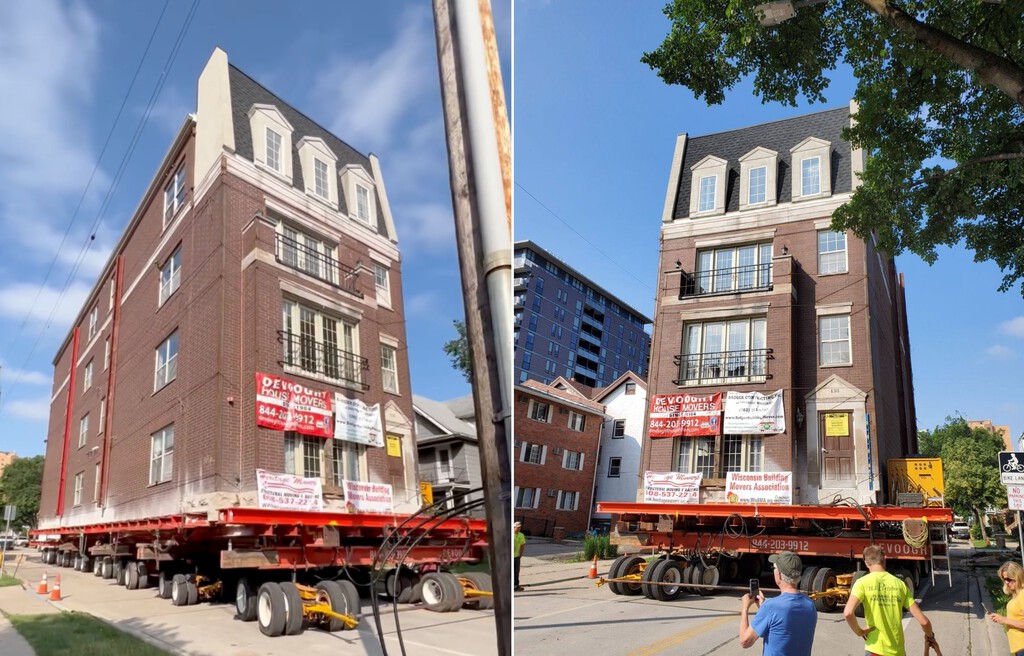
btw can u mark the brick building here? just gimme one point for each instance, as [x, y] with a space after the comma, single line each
[986, 424]
[760, 295]
[558, 434]
[262, 245]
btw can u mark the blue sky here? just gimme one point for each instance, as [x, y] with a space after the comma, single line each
[367, 71]
[594, 134]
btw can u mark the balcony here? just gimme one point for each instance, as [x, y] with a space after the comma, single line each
[328, 361]
[300, 257]
[521, 282]
[724, 367]
[593, 339]
[749, 278]
[454, 476]
[591, 321]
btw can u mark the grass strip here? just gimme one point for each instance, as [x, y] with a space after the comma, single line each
[78, 634]
[6, 581]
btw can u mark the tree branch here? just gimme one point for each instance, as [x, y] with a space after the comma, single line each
[1003, 157]
[991, 69]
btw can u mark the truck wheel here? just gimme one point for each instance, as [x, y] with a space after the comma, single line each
[164, 585]
[179, 590]
[97, 566]
[192, 590]
[143, 575]
[416, 594]
[84, 564]
[131, 579]
[438, 592]
[629, 567]
[245, 600]
[807, 579]
[119, 571]
[270, 609]
[482, 582]
[108, 567]
[457, 594]
[710, 576]
[824, 580]
[646, 588]
[293, 605]
[613, 573]
[333, 594]
[407, 583]
[351, 595]
[668, 571]
[76, 562]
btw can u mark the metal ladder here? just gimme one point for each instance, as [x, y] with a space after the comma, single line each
[938, 547]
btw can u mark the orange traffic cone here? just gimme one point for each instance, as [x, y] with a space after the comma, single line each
[41, 589]
[55, 593]
[593, 568]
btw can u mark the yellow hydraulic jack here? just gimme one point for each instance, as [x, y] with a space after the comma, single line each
[317, 607]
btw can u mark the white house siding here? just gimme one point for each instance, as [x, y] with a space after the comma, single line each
[619, 405]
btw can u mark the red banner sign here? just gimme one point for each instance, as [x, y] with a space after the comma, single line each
[685, 415]
[285, 405]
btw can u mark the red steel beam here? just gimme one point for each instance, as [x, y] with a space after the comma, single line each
[269, 517]
[67, 424]
[840, 547]
[306, 557]
[115, 339]
[772, 511]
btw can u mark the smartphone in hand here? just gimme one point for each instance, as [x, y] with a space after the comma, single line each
[985, 608]
[755, 588]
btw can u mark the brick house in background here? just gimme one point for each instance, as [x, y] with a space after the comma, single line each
[759, 294]
[262, 245]
[557, 438]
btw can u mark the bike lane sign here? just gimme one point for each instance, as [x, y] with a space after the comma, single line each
[1011, 467]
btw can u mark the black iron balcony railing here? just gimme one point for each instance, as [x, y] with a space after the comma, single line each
[316, 357]
[456, 476]
[753, 277]
[300, 257]
[727, 366]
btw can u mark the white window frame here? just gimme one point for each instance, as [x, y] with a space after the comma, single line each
[106, 354]
[83, 430]
[79, 485]
[533, 454]
[577, 421]
[750, 453]
[713, 278]
[96, 485]
[533, 410]
[810, 185]
[709, 167]
[695, 334]
[389, 368]
[833, 256]
[94, 320]
[112, 288]
[346, 335]
[170, 276]
[689, 449]
[706, 194]
[838, 320]
[103, 416]
[161, 455]
[763, 186]
[806, 151]
[321, 179]
[527, 497]
[618, 429]
[565, 495]
[573, 460]
[614, 466]
[166, 362]
[174, 195]
[274, 150]
[382, 283]
[757, 159]
[87, 377]
[297, 254]
[362, 203]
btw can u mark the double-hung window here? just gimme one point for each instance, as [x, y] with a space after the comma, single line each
[79, 484]
[333, 461]
[174, 195]
[320, 178]
[533, 454]
[527, 497]
[834, 333]
[614, 467]
[572, 460]
[724, 349]
[319, 343]
[382, 284]
[619, 429]
[742, 453]
[274, 150]
[87, 378]
[831, 252]
[539, 411]
[170, 275]
[696, 455]
[166, 361]
[577, 422]
[706, 200]
[362, 203]
[306, 253]
[389, 368]
[568, 499]
[733, 269]
[810, 176]
[757, 190]
[83, 430]
[161, 455]
[94, 321]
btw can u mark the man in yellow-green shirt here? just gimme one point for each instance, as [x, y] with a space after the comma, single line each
[885, 597]
[518, 545]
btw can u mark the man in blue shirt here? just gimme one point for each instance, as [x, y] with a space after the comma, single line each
[786, 623]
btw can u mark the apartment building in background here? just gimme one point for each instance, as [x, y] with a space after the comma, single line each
[260, 271]
[558, 434]
[566, 325]
[1002, 431]
[619, 475]
[760, 294]
[6, 458]
[449, 454]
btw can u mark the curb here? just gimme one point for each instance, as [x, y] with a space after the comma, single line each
[994, 634]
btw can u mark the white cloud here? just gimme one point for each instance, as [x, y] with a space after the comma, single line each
[1014, 327]
[25, 377]
[16, 301]
[1000, 352]
[169, 111]
[426, 225]
[369, 97]
[33, 410]
[421, 304]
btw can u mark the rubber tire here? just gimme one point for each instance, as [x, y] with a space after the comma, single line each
[438, 592]
[97, 566]
[647, 577]
[108, 568]
[119, 572]
[337, 601]
[294, 615]
[416, 594]
[143, 575]
[752, 566]
[730, 569]
[456, 592]
[245, 600]
[904, 575]
[193, 592]
[630, 566]
[859, 612]
[179, 590]
[696, 578]
[353, 607]
[710, 576]
[612, 573]
[76, 563]
[407, 582]
[84, 564]
[164, 586]
[668, 571]
[131, 579]
[824, 580]
[271, 599]
[807, 579]
[482, 582]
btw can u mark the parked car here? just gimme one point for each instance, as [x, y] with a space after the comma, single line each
[960, 530]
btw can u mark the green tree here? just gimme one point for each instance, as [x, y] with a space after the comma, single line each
[458, 351]
[970, 463]
[928, 444]
[20, 485]
[938, 80]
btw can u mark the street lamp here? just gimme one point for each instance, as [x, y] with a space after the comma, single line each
[773, 13]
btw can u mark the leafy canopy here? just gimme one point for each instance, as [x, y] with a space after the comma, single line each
[458, 351]
[939, 81]
[20, 485]
[970, 463]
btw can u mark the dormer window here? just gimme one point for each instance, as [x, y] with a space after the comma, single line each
[758, 174]
[320, 173]
[812, 166]
[271, 140]
[707, 188]
[362, 203]
[273, 150]
[319, 165]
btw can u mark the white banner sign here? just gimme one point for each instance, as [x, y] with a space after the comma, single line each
[671, 487]
[368, 497]
[357, 422]
[288, 492]
[1015, 497]
[753, 413]
[759, 487]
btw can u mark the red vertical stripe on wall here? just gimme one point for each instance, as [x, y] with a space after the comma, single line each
[67, 424]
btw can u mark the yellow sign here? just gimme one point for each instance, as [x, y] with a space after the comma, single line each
[837, 424]
[427, 492]
[394, 446]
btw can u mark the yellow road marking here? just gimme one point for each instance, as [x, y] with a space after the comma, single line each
[681, 637]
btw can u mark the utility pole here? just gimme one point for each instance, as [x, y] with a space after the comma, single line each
[479, 159]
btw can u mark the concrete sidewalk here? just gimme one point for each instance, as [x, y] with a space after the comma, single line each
[15, 600]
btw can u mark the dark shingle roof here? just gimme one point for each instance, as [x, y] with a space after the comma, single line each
[779, 136]
[246, 92]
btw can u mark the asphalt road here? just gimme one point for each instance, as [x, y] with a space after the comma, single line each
[562, 612]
